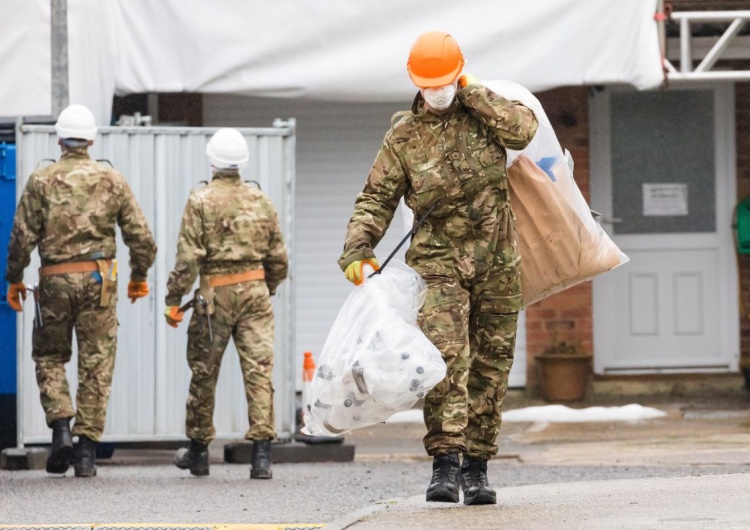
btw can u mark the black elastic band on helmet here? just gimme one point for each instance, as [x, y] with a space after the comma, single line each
[74, 142]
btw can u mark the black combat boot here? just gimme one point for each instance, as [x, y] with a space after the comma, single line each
[61, 451]
[261, 459]
[85, 457]
[444, 484]
[194, 458]
[474, 482]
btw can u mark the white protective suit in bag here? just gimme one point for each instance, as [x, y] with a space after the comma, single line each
[376, 361]
[560, 242]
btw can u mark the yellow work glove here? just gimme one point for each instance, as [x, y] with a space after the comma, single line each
[353, 271]
[137, 290]
[16, 291]
[173, 315]
[466, 80]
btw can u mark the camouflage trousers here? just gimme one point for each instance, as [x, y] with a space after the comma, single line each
[72, 302]
[475, 330]
[244, 313]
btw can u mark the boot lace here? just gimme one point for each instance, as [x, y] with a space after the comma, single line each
[446, 470]
[445, 473]
[475, 475]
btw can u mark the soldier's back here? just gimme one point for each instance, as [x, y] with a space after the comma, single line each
[81, 202]
[238, 221]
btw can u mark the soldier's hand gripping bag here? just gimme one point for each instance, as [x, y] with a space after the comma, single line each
[560, 242]
[376, 361]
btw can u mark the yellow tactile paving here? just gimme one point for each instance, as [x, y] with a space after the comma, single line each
[145, 526]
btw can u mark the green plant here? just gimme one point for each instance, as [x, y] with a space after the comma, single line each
[559, 346]
[565, 348]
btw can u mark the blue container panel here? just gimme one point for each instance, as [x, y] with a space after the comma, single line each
[7, 315]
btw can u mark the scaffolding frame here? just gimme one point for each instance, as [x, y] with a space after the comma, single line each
[685, 70]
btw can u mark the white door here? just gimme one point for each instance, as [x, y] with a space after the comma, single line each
[663, 176]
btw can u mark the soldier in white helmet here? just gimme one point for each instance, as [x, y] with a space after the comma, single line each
[70, 210]
[230, 236]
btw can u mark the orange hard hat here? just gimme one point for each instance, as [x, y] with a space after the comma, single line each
[434, 60]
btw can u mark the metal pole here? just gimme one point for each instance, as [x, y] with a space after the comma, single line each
[716, 15]
[660, 17]
[289, 342]
[686, 60]
[59, 46]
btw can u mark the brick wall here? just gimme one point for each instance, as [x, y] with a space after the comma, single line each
[567, 315]
[742, 110]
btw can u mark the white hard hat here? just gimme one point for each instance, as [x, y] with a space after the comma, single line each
[227, 149]
[76, 121]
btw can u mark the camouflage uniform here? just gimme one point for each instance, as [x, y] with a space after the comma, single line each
[465, 251]
[70, 210]
[230, 227]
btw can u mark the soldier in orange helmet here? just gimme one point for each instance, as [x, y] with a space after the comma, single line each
[447, 158]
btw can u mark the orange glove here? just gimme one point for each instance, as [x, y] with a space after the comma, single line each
[16, 291]
[467, 79]
[353, 271]
[137, 290]
[173, 315]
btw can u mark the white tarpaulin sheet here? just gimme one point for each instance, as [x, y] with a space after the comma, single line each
[25, 58]
[344, 50]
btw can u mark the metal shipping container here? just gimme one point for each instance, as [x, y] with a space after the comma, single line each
[149, 390]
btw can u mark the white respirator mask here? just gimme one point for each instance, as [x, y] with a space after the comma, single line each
[441, 97]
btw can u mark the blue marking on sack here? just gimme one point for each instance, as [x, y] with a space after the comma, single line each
[545, 164]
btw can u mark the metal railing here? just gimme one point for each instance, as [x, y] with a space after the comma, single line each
[704, 71]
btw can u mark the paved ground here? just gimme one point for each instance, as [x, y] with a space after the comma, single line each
[692, 502]
[690, 469]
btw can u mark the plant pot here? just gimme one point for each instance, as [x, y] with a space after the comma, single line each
[564, 377]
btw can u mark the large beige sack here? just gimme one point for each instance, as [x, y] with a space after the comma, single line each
[561, 244]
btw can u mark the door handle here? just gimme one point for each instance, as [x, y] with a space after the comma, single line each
[599, 217]
[610, 220]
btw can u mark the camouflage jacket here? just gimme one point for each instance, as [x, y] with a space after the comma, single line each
[228, 227]
[456, 161]
[70, 209]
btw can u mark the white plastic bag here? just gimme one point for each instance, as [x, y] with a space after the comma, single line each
[544, 149]
[560, 242]
[376, 361]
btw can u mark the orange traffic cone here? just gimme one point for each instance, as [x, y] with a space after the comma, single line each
[308, 372]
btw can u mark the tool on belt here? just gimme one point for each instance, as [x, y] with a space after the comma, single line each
[38, 323]
[204, 309]
[203, 301]
[108, 272]
[200, 304]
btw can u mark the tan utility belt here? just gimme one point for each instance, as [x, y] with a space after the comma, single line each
[231, 279]
[70, 268]
[107, 269]
[208, 282]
